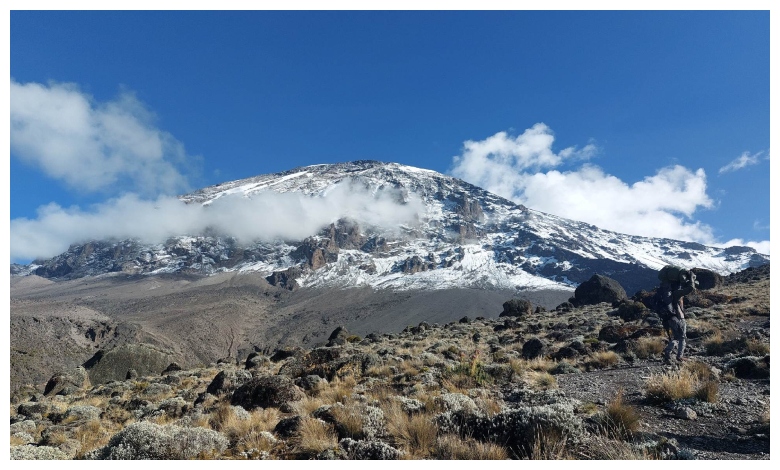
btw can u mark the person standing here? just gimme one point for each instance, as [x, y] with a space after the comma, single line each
[676, 283]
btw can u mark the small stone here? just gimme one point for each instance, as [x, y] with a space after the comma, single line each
[686, 413]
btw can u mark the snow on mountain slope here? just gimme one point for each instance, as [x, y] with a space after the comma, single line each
[463, 236]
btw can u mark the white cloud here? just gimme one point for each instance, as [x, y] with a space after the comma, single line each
[93, 146]
[761, 247]
[266, 216]
[498, 161]
[662, 205]
[741, 162]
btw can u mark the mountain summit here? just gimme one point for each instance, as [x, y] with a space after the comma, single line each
[388, 225]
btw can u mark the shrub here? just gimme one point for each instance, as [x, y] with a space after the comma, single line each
[144, 441]
[472, 370]
[31, 452]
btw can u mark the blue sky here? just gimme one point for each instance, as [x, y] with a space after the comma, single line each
[653, 123]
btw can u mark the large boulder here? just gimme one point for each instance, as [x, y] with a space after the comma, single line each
[228, 380]
[599, 289]
[267, 391]
[113, 364]
[707, 279]
[534, 348]
[338, 337]
[67, 383]
[517, 308]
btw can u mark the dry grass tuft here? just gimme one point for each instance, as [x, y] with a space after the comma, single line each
[93, 435]
[338, 390]
[757, 348]
[383, 371]
[17, 441]
[306, 406]
[701, 370]
[453, 447]
[351, 420]
[600, 447]
[707, 391]
[315, 436]
[542, 380]
[264, 419]
[416, 434]
[602, 360]
[549, 444]
[620, 421]
[671, 386]
[648, 346]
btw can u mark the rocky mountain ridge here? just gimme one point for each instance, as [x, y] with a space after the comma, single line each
[464, 236]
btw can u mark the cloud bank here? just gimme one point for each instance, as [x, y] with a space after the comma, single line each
[265, 216]
[93, 146]
[522, 169]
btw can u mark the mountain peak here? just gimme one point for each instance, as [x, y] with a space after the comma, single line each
[389, 225]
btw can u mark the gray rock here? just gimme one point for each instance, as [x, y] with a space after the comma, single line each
[534, 348]
[686, 413]
[227, 381]
[267, 391]
[517, 308]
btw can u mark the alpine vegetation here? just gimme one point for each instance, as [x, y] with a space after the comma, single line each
[574, 382]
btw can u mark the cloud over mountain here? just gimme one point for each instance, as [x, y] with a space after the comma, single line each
[265, 216]
[523, 169]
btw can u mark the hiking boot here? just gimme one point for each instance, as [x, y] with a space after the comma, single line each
[682, 359]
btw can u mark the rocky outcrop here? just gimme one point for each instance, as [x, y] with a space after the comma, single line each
[599, 289]
[267, 391]
[517, 308]
[67, 383]
[286, 278]
[114, 364]
[415, 264]
[227, 381]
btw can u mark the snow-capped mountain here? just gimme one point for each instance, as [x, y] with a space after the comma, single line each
[460, 236]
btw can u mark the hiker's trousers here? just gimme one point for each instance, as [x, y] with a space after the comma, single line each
[678, 327]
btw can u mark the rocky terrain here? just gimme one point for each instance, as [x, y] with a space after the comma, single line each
[582, 379]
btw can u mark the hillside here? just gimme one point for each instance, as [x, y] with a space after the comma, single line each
[577, 382]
